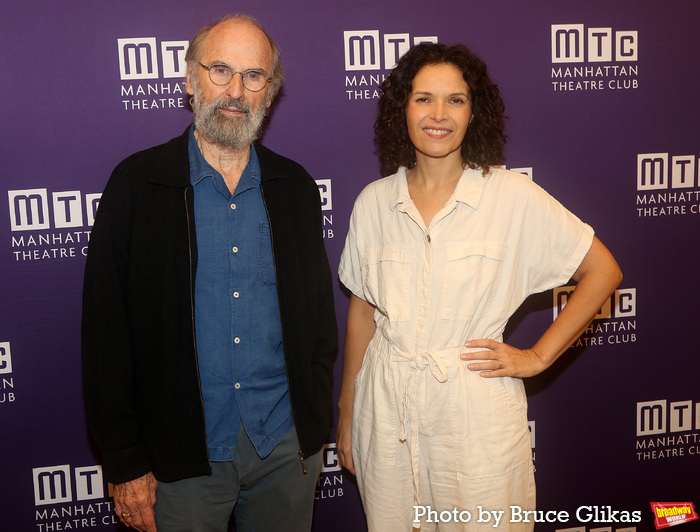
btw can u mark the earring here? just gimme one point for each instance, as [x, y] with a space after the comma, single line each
[191, 101]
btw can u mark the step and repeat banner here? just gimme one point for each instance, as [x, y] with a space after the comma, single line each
[604, 113]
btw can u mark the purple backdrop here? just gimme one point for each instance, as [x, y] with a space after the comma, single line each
[604, 111]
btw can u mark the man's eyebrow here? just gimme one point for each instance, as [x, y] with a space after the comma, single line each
[255, 68]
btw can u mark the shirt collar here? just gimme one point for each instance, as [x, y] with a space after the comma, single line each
[470, 187]
[398, 191]
[199, 167]
[468, 190]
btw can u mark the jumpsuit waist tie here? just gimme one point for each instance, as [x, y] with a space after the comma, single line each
[437, 362]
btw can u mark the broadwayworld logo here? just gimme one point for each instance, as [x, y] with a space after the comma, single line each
[668, 514]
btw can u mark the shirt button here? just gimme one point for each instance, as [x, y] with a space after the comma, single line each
[233, 206]
[235, 249]
[238, 386]
[236, 340]
[236, 294]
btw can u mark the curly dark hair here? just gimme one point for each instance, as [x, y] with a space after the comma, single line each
[482, 146]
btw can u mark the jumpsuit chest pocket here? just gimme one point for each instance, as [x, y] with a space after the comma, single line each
[388, 278]
[470, 274]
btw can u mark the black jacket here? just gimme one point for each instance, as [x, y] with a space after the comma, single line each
[141, 380]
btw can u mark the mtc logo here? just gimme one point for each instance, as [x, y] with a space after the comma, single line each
[622, 304]
[659, 417]
[29, 209]
[526, 170]
[5, 358]
[603, 44]
[138, 58]
[54, 485]
[324, 189]
[653, 171]
[330, 458]
[362, 48]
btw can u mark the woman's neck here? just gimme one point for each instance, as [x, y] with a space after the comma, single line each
[431, 184]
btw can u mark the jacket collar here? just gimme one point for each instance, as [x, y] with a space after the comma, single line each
[172, 166]
[272, 166]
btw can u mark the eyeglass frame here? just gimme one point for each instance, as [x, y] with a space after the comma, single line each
[208, 69]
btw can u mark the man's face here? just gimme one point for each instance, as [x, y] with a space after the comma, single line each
[231, 116]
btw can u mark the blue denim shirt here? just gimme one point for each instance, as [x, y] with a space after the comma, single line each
[237, 319]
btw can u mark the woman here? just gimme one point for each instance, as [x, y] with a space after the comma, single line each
[438, 256]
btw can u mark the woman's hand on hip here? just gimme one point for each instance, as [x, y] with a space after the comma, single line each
[502, 360]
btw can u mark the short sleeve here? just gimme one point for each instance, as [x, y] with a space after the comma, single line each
[553, 241]
[350, 268]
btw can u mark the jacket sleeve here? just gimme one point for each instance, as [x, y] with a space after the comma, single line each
[107, 355]
[305, 290]
[326, 348]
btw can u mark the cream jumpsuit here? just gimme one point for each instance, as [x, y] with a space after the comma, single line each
[426, 430]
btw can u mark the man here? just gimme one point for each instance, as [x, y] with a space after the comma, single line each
[209, 330]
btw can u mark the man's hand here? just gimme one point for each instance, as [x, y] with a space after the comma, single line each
[134, 500]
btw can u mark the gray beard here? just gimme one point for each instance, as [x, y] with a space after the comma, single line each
[231, 133]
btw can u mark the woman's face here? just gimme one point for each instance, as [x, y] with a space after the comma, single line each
[438, 111]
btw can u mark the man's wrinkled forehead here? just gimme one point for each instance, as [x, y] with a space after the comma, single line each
[237, 40]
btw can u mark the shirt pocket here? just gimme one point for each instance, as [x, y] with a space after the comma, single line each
[470, 274]
[267, 263]
[387, 280]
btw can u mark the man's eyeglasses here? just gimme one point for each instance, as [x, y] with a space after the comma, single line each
[220, 74]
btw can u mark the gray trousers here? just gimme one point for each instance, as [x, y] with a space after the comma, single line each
[265, 495]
